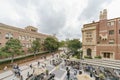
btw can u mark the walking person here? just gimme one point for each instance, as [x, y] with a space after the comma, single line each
[5, 68]
[21, 77]
[28, 74]
[68, 74]
[45, 64]
[38, 63]
[75, 73]
[96, 76]
[19, 74]
[31, 66]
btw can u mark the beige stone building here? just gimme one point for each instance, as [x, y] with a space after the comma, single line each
[26, 36]
[102, 38]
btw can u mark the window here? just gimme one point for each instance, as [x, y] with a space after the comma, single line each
[32, 39]
[23, 45]
[111, 23]
[111, 41]
[27, 45]
[20, 37]
[8, 35]
[118, 21]
[23, 37]
[119, 31]
[28, 38]
[88, 39]
[108, 23]
[89, 34]
[111, 32]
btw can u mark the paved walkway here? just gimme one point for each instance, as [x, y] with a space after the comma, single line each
[8, 75]
[59, 71]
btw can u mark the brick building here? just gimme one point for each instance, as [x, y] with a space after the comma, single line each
[102, 38]
[26, 36]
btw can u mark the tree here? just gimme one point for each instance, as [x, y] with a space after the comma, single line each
[74, 45]
[51, 44]
[3, 54]
[12, 48]
[36, 45]
[62, 44]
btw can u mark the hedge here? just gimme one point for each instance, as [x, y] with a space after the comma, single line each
[20, 58]
[98, 57]
[87, 57]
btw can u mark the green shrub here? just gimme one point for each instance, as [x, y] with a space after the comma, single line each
[98, 57]
[30, 50]
[3, 54]
[20, 58]
[76, 54]
[87, 57]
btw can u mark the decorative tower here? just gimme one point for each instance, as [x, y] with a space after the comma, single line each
[104, 14]
[101, 15]
[103, 27]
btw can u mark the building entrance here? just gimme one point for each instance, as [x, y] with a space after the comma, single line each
[89, 52]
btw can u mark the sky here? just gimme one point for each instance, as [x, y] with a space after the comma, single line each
[63, 18]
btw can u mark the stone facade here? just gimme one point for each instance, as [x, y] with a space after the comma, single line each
[26, 36]
[102, 38]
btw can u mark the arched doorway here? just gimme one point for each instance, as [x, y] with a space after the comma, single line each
[89, 52]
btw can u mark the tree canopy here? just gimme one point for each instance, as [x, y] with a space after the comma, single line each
[36, 45]
[51, 44]
[62, 43]
[12, 47]
[74, 44]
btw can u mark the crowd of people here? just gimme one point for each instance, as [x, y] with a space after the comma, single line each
[17, 71]
[102, 73]
[98, 72]
[56, 61]
[73, 64]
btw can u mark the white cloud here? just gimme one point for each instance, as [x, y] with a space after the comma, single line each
[63, 17]
[113, 9]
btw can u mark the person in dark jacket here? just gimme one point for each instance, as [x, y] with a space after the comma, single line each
[68, 74]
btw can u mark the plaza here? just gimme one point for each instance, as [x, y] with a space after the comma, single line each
[78, 68]
[59, 40]
[59, 71]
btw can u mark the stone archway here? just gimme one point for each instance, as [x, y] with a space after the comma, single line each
[89, 52]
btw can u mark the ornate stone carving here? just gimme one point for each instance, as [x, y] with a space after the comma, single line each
[103, 37]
